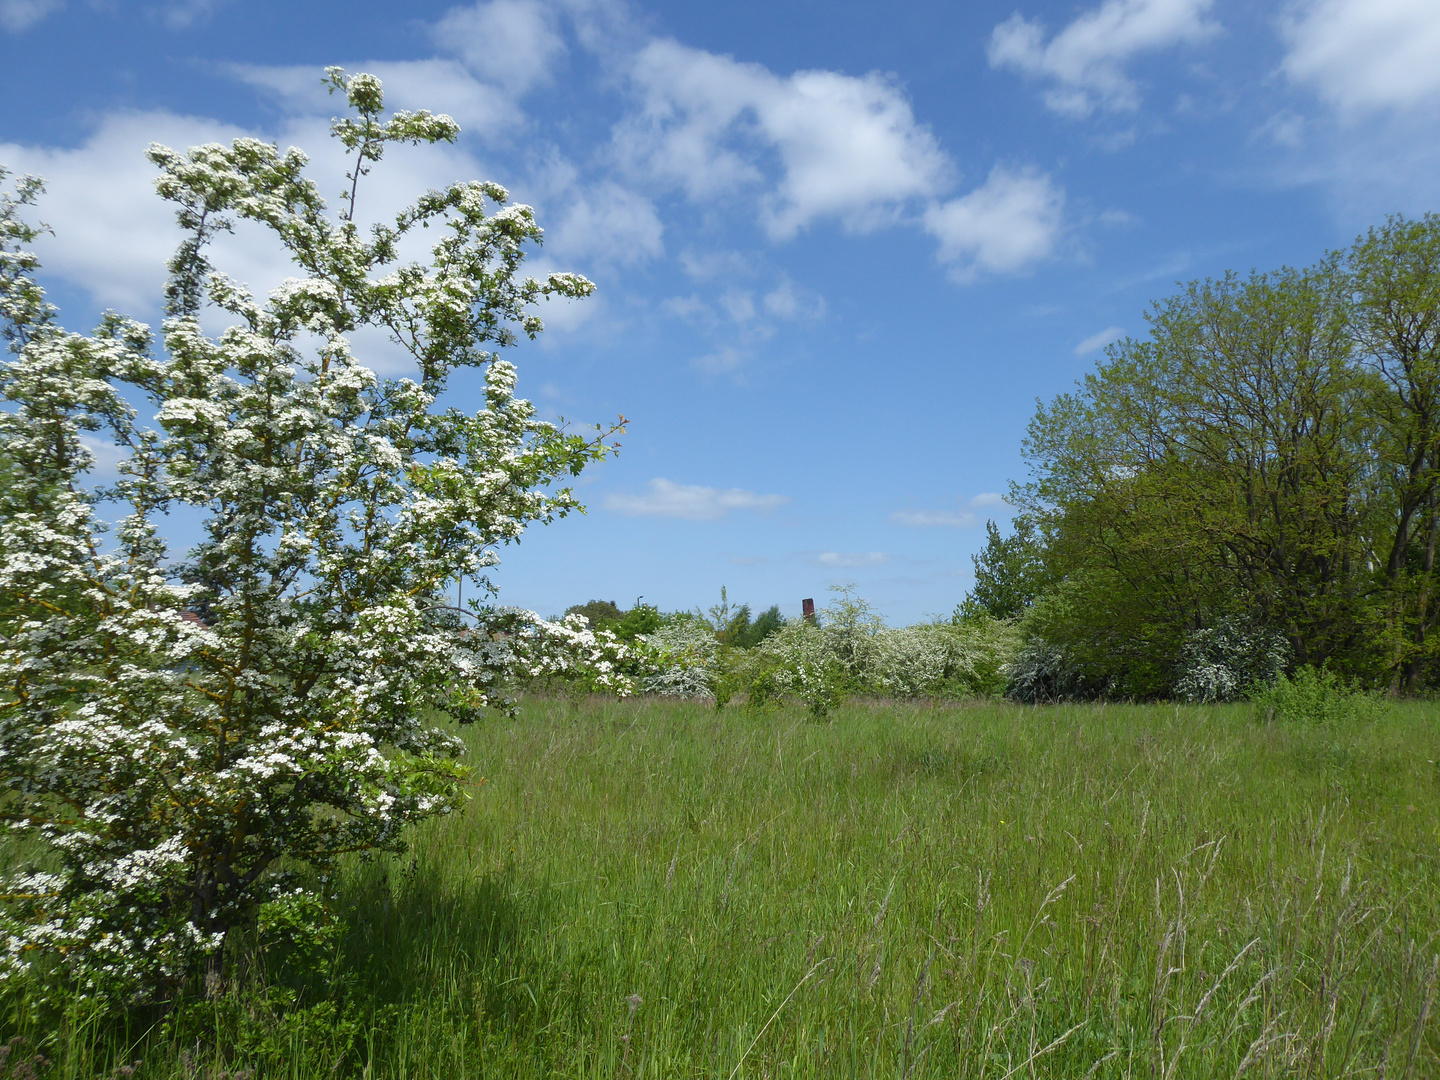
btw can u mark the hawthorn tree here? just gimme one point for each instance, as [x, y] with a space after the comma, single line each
[168, 766]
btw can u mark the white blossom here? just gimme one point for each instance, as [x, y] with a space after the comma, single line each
[172, 731]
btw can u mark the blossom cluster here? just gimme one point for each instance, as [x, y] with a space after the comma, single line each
[683, 660]
[172, 732]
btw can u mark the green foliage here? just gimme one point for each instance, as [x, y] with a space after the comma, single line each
[1317, 697]
[1010, 572]
[650, 889]
[742, 633]
[1270, 453]
[638, 621]
[1099, 637]
[602, 614]
[849, 650]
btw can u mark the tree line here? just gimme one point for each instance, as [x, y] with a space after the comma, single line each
[1265, 463]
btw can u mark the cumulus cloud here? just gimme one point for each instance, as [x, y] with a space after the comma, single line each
[1365, 55]
[514, 43]
[690, 502]
[1085, 61]
[442, 86]
[849, 560]
[1099, 340]
[1011, 221]
[18, 15]
[849, 148]
[112, 233]
[821, 145]
[608, 224]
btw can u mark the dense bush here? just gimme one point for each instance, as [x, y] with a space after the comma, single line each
[598, 613]
[847, 650]
[184, 751]
[680, 659]
[1316, 697]
[1225, 661]
[1078, 650]
[1044, 672]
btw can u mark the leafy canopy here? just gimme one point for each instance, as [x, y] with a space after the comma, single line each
[1270, 454]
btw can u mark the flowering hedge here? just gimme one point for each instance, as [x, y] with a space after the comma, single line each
[849, 650]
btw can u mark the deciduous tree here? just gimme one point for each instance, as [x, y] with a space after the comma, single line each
[177, 772]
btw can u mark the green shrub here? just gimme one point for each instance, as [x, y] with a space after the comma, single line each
[1316, 697]
[640, 620]
[744, 634]
[601, 613]
[1222, 661]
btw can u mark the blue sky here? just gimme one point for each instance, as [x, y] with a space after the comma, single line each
[841, 248]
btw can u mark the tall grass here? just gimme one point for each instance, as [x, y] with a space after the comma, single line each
[648, 889]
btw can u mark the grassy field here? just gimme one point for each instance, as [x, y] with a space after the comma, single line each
[647, 889]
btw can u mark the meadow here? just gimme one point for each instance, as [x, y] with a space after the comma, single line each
[660, 889]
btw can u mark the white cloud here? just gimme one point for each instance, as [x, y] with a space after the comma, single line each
[789, 301]
[848, 148]
[692, 502]
[739, 320]
[442, 86]
[18, 15]
[1284, 128]
[1364, 55]
[1012, 220]
[1085, 61]
[514, 43]
[182, 14]
[738, 304]
[435, 85]
[105, 469]
[689, 308]
[1099, 340]
[849, 560]
[709, 265]
[606, 223]
[964, 518]
[725, 360]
